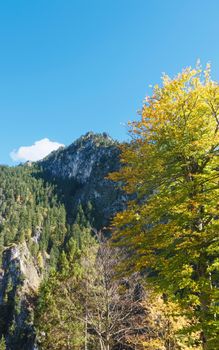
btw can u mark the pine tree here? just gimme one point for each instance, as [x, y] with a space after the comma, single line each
[2, 344]
[60, 311]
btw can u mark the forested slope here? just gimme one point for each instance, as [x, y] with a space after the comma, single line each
[42, 208]
[33, 229]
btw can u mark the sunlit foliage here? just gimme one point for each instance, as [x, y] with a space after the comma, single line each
[171, 227]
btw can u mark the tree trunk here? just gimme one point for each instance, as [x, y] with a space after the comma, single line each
[204, 341]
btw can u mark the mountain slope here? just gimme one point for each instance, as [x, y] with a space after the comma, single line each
[38, 204]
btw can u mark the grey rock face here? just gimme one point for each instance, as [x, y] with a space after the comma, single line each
[79, 160]
[19, 282]
[87, 162]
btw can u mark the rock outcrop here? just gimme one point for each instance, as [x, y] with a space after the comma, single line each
[19, 282]
[84, 166]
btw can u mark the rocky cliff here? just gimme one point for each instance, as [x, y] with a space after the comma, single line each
[83, 168]
[19, 282]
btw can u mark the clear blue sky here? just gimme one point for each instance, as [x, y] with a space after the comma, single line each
[70, 66]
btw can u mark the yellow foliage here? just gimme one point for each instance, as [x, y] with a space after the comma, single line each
[171, 228]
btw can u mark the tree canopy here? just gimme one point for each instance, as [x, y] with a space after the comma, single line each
[171, 226]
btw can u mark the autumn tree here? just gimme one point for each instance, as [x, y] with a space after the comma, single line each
[114, 313]
[120, 313]
[171, 226]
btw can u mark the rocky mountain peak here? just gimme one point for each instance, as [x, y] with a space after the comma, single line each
[98, 139]
[85, 165]
[83, 157]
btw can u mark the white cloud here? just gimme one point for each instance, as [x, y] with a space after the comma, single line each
[37, 151]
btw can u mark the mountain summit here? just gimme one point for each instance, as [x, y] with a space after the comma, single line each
[83, 167]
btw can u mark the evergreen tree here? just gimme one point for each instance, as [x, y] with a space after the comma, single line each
[2, 344]
[59, 316]
[30, 217]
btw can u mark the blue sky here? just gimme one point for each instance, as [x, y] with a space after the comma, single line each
[67, 66]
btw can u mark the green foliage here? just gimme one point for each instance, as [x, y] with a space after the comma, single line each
[60, 311]
[82, 305]
[2, 344]
[29, 211]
